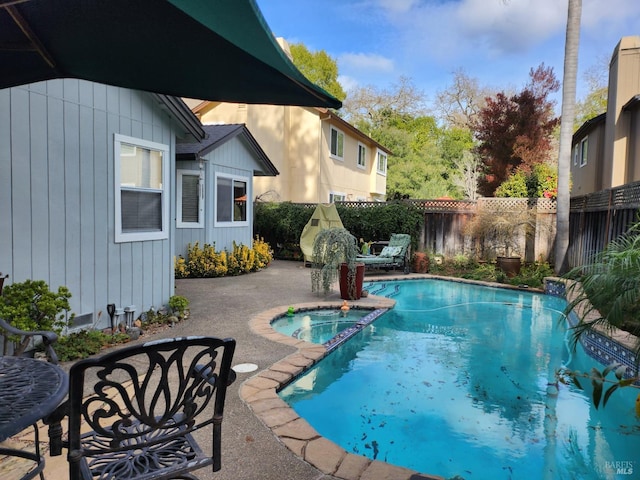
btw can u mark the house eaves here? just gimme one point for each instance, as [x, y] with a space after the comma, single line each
[217, 135]
[328, 115]
[587, 127]
[632, 104]
[182, 114]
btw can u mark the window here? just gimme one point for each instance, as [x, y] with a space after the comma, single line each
[337, 197]
[231, 200]
[583, 151]
[362, 156]
[337, 143]
[382, 163]
[141, 189]
[190, 199]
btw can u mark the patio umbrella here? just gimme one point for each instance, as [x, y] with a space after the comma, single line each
[220, 50]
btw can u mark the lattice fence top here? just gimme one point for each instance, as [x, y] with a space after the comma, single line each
[543, 205]
[444, 205]
[622, 197]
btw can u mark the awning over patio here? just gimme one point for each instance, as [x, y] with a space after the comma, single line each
[219, 50]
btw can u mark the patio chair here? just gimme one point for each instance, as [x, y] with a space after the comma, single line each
[143, 404]
[394, 255]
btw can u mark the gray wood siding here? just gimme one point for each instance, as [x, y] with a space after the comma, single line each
[57, 192]
[232, 158]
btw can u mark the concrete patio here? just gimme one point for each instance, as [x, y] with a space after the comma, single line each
[262, 437]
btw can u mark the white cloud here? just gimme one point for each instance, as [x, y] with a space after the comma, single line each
[347, 82]
[364, 62]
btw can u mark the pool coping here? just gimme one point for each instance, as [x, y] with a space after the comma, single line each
[260, 394]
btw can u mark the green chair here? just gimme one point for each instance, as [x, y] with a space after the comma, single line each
[395, 255]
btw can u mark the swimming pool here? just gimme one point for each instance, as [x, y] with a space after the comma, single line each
[454, 382]
[326, 326]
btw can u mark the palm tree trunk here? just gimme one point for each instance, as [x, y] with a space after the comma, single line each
[569, 81]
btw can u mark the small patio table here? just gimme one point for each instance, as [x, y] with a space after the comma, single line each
[30, 390]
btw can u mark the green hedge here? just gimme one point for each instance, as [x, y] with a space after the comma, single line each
[281, 224]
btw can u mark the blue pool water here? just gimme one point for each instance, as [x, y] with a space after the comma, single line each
[317, 326]
[454, 382]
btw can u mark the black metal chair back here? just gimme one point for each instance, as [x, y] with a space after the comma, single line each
[142, 405]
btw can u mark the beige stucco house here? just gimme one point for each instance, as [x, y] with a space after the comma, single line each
[606, 148]
[321, 158]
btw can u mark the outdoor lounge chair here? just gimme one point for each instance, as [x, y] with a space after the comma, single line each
[394, 255]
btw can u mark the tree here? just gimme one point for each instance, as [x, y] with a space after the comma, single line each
[318, 67]
[569, 81]
[459, 105]
[516, 132]
[372, 107]
[467, 174]
[595, 102]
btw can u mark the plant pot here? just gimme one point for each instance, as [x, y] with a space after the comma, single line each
[509, 265]
[420, 262]
[351, 288]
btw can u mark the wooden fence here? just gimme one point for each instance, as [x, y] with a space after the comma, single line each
[443, 231]
[598, 218]
[594, 220]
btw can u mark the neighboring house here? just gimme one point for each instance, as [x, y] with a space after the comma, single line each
[321, 158]
[86, 188]
[606, 148]
[214, 181]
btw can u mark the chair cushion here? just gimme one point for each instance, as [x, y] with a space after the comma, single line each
[391, 251]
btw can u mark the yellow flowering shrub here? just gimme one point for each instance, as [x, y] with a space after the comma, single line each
[207, 262]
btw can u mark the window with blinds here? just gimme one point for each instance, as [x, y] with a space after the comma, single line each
[190, 199]
[141, 173]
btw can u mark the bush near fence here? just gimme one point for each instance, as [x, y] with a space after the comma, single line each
[435, 226]
[281, 224]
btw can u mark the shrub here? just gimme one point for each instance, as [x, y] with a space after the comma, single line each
[206, 262]
[178, 304]
[85, 343]
[30, 306]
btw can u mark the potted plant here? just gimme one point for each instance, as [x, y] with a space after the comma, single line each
[420, 262]
[500, 231]
[335, 251]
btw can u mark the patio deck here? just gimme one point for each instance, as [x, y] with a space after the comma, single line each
[262, 438]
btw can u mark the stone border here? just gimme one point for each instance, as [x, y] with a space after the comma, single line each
[260, 394]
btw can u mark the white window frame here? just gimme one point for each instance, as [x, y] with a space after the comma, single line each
[379, 156]
[576, 154]
[191, 173]
[584, 151]
[362, 156]
[337, 197]
[339, 153]
[163, 233]
[233, 178]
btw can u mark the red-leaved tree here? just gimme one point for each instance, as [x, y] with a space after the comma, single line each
[514, 133]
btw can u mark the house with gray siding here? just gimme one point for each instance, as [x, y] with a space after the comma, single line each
[87, 177]
[214, 188]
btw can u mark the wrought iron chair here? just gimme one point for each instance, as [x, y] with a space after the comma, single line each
[143, 404]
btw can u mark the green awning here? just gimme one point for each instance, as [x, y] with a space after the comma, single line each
[219, 50]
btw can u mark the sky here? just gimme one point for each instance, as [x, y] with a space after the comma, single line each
[498, 42]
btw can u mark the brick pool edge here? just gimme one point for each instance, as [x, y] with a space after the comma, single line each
[259, 393]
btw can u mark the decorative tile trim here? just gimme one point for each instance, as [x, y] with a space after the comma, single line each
[349, 332]
[597, 344]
